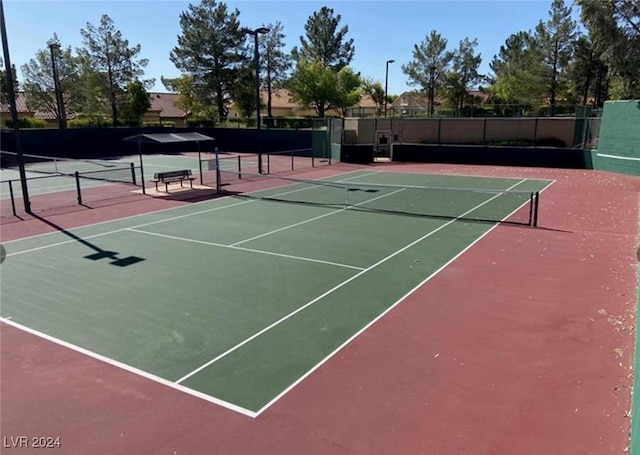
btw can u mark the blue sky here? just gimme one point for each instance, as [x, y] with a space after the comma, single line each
[382, 29]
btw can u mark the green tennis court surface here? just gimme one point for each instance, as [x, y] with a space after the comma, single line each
[237, 299]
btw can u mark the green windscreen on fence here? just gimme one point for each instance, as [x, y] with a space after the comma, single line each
[619, 143]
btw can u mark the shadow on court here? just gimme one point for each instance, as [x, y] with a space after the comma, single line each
[99, 253]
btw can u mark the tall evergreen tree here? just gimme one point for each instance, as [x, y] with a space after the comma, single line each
[554, 40]
[586, 73]
[324, 42]
[464, 74]
[515, 72]
[113, 63]
[430, 63]
[212, 51]
[275, 62]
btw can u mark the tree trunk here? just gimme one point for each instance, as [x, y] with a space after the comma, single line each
[114, 110]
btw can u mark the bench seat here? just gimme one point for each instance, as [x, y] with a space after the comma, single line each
[173, 176]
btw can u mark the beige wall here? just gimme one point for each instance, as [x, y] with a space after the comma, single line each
[463, 131]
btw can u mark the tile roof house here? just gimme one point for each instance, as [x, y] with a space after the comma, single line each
[282, 105]
[412, 104]
[21, 107]
[164, 110]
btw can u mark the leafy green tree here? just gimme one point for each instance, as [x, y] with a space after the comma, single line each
[316, 85]
[275, 62]
[325, 42]
[4, 86]
[211, 50]
[109, 63]
[39, 84]
[244, 92]
[430, 63]
[136, 103]
[190, 100]
[349, 91]
[464, 74]
[376, 91]
[554, 41]
[614, 27]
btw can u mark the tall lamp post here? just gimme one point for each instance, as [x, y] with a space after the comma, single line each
[386, 83]
[256, 58]
[62, 118]
[14, 111]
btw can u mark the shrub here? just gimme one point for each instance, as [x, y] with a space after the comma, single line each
[27, 122]
[166, 124]
[88, 122]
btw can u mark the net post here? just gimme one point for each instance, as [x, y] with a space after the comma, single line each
[268, 164]
[200, 164]
[13, 201]
[292, 168]
[77, 176]
[535, 210]
[217, 163]
[133, 173]
[144, 190]
[239, 167]
[531, 199]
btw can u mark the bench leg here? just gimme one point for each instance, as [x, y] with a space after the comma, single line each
[167, 186]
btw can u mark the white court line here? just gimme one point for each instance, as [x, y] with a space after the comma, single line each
[208, 398]
[381, 315]
[618, 157]
[164, 220]
[335, 288]
[129, 368]
[312, 219]
[232, 247]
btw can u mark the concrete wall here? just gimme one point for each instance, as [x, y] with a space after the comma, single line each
[467, 130]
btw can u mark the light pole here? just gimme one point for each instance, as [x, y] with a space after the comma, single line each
[386, 83]
[62, 118]
[256, 58]
[14, 111]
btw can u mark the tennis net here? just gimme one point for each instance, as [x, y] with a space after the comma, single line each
[280, 162]
[104, 170]
[478, 204]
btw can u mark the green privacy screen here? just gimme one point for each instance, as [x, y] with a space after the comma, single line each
[619, 142]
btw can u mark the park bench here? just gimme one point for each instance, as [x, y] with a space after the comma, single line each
[173, 176]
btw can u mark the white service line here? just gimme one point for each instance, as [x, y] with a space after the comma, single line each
[313, 219]
[335, 288]
[232, 247]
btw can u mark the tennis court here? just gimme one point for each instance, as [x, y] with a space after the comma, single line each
[237, 299]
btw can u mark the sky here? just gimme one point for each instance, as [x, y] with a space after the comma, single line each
[381, 29]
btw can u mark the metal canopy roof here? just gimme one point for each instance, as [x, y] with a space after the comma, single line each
[166, 138]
